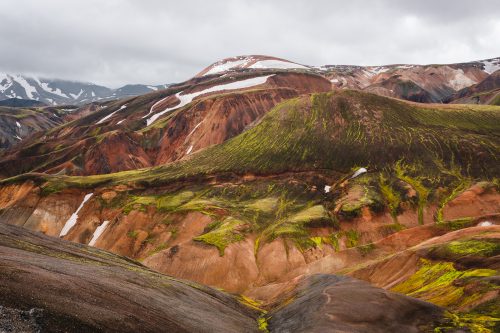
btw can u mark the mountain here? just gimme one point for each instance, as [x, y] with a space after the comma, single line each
[419, 83]
[147, 135]
[59, 92]
[327, 207]
[17, 123]
[484, 92]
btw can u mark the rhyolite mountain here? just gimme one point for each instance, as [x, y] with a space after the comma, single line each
[322, 205]
[484, 92]
[60, 92]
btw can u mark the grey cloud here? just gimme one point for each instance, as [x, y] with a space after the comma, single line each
[114, 42]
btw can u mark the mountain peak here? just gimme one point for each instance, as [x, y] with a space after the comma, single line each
[249, 61]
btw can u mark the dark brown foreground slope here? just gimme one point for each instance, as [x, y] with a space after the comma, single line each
[83, 289]
[50, 285]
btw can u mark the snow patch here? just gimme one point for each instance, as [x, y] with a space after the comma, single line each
[371, 71]
[98, 232]
[327, 188]
[18, 125]
[121, 121]
[194, 129]
[491, 65]
[70, 223]
[153, 88]
[358, 172]
[45, 86]
[404, 66]
[222, 67]
[17, 137]
[111, 114]
[188, 98]
[189, 150]
[485, 224]
[277, 64]
[30, 90]
[76, 96]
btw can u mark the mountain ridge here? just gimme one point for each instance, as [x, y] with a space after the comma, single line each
[58, 92]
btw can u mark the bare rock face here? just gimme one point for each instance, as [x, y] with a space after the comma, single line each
[81, 289]
[485, 92]
[331, 303]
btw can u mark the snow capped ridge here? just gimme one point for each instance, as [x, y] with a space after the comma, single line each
[250, 62]
[60, 92]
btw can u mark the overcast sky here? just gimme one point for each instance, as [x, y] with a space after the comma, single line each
[114, 42]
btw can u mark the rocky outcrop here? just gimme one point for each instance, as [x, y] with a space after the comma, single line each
[324, 303]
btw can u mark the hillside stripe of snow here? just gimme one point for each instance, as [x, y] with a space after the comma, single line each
[45, 86]
[17, 137]
[153, 106]
[189, 150]
[76, 96]
[153, 88]
[27, 87]
[18, 125]
[222, 67]
[188, 98]
[111, 114]
[194, 129]
[359, 172]
[121, 121]
[70, 223]
[276, 64]
[98, 232]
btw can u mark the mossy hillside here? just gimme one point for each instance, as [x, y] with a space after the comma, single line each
[337, 131]
[269, 209]
[439, 282]
[455, 250]
[223, 233]
[462, 289]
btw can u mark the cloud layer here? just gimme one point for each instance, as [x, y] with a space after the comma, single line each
[114, 42]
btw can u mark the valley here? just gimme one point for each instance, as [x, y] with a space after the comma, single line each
[295, 198]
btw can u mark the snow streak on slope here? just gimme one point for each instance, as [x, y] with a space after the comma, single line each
[30, 90]
[70, 223]
[98, 232]
[188, 98]
[111, 114]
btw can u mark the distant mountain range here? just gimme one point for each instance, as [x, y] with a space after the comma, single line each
[60, 92]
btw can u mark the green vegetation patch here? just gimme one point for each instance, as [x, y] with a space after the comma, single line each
[484, 248]
[224, 233]
[440, 283]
